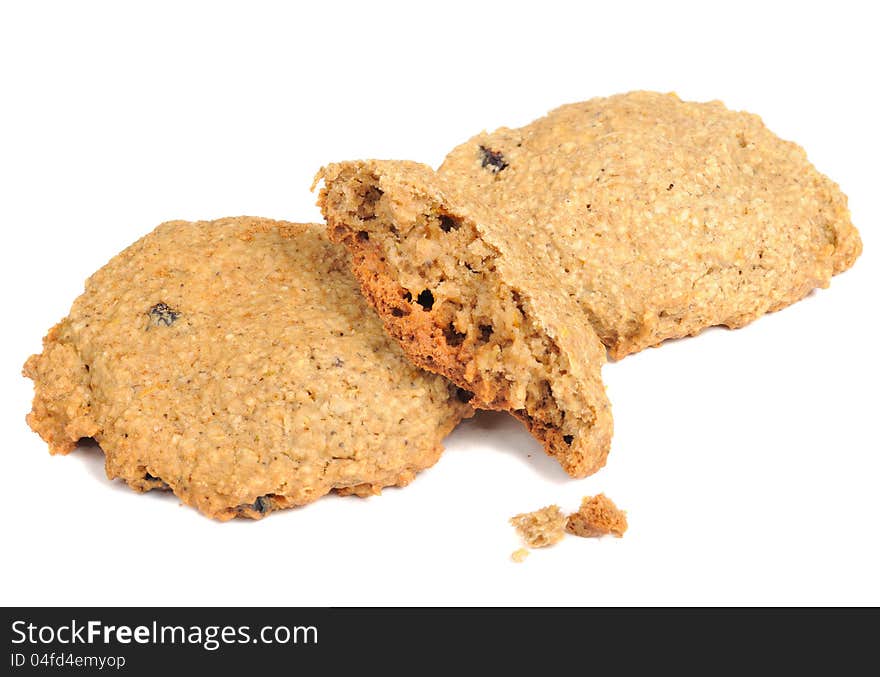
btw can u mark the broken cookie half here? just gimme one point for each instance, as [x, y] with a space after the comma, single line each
[457, 295]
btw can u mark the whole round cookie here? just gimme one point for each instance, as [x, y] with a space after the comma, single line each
[235, 363]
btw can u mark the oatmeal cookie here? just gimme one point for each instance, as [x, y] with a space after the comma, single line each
[622, 221]
[665, 216]
[235, 363]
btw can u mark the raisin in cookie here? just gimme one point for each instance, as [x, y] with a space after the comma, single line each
[622, 221]
[235, 363]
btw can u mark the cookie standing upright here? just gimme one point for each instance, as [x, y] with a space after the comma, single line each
[235, 363]
[622, 221]
[462, 304]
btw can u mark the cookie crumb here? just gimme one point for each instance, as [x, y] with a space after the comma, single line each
[519, 555]
[597, 516]
[540, 528]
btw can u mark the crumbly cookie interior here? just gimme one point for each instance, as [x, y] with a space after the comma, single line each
[435, 284]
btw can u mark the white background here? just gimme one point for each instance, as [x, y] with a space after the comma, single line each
[748, 460]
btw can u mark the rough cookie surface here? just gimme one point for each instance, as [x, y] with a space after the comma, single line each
[665, 216]
[625, 221]
[235, 363]
[597, 516]
[540, 528]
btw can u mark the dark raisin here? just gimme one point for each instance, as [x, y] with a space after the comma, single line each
[407, 296]
[163, 314]
[363, 236]
[447, 223]
[485, 332]
[156, 482]
[453, 336]
[568, 439]
[464, 395]
[263, 505]
[397, 312]
[493, 160]
[425, 299]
